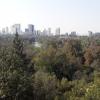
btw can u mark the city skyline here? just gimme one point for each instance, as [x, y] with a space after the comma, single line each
[30, 28]
[70, 15]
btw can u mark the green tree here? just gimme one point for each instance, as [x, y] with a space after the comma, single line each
[18, 45]
[63, 60]
[15, 83]
[44, 85]
[93, 89]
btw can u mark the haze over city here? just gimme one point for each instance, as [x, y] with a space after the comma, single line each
[70, 15]
[49, 49]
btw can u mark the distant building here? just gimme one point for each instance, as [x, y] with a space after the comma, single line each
[26, 30]
[57, 31]
[38, 33]
[6, 30]
[90, 33]
[73, 34]
[66, 34]
[49, 32]
[3, 30]
[16, 28]
[31, 28]
[97, 34]
[45, 32]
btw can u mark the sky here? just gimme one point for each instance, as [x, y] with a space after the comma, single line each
[70, 15]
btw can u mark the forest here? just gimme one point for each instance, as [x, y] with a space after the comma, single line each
[66, 69]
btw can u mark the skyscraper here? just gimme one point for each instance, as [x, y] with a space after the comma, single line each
[49, 31]
[73, 34]
[26, 30]
[45, 32]
[57, 31]
[16, 28]
[7, 30]
[3, 30]
[31, 28]
[90, 33]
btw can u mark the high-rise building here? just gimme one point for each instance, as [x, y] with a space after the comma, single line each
[49, 31]
[16, 28]
[38, 33]
[31, 28]
[7, 30]
[90, 33]
[3, 30]
[57, 31]
[45, 32]
[26, 30]
[73, 34]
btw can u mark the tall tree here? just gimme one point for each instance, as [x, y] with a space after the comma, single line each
[18, 44]
[18, 48]
[15, 83]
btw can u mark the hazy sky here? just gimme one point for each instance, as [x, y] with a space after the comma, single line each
[70, 15]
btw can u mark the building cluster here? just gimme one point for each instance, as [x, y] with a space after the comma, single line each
[96, 34]
[29, 30]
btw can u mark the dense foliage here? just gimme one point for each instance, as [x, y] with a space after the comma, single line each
[58, 70]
